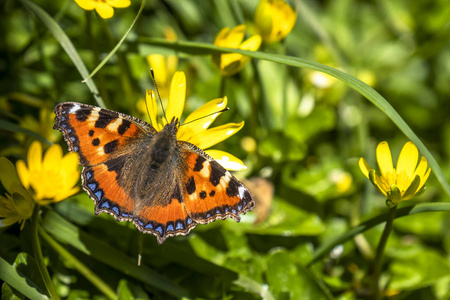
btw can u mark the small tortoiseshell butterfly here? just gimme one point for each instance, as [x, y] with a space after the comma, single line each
[135, 173]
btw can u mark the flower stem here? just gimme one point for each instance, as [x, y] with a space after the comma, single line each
[38, 255]
[79, 266]
[380, 251]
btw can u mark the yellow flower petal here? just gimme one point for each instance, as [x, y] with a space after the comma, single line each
[199, 114]
[221, 36]
[364, 166]
[263, 18]
[274, 20]
[66, 194]
[119, 3]
[35, 157]
[252, 43]
[70, 161]
[23, 173]
[232, 63]
[86, 4]
[52, 158]
[153, 109]
[177, 96]
[201, 123]
[158, 62]
[407, 161]
[384, 159]
[285, 19]
[104, 10]
[230, 38]
[379, 183]
[424, 178]
[215, 135]
[227, 160]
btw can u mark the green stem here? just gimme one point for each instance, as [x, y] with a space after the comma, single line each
[378, 262]
[79, 266]
[38, 255]
[265, 102]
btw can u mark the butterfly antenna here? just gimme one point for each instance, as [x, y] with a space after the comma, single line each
[148, 112]
[157, 91]
[219, 111]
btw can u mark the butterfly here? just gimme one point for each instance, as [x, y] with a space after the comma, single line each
[135, 173]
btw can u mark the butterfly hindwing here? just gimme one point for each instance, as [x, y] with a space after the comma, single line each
[165, 219]
[211, 192]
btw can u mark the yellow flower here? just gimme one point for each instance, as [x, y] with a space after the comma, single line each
[53, 178]
[231, 63]
[274, 19]
[197, 132]
[103, 7]
[403, 182]
[18, 205]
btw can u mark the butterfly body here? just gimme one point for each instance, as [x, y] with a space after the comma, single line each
[135, 173]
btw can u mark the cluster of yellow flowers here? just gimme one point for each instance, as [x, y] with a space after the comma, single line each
[273, 20]
[43, 180]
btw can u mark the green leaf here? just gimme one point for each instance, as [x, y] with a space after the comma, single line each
[26, 264]
[128, 290]
[290, 281]
[424, 268]
[319, 120]
[8, 293]
[123, 292]
[285, 219]
[19, 281]
[401, 212]
[70, 234]
[67, 45]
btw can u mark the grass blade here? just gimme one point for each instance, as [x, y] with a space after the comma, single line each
[67, 45]
[18, 281]
[105, 60]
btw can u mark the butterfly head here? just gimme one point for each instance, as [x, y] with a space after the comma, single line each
[172, 127]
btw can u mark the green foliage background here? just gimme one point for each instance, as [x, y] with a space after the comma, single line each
[307, 137]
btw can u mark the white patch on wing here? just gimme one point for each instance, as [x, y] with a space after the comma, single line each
[94, 115]
[74, 108]
[241, 191]
[205, 171]
[100, 150]
[225, 179]
[114, 126]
